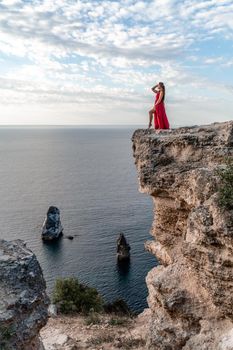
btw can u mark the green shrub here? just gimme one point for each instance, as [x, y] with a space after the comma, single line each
[70, 296]
[226, 185]
[6, 333]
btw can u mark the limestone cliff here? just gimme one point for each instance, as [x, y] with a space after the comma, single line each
[23, 302]
[191, 291]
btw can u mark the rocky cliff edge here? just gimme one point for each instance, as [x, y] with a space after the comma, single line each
[191, 291]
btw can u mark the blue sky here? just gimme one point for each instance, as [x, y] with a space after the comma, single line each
[94, 62]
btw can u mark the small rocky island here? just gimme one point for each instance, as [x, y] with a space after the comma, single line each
[52, 228]
[123, 248]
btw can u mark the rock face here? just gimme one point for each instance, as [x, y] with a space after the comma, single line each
[191, 292]
[52, 228]
[123, 248]
[23, 301]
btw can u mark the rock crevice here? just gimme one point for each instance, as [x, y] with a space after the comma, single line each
[191, 292]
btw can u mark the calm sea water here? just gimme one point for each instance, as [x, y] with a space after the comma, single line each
[90, 175]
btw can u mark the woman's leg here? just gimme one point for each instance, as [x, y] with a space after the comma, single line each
[156, 120]
[151, 112]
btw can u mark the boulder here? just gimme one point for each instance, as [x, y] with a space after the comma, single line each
[70, 237]
[23, 300]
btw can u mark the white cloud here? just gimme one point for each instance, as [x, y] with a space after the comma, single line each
[109, 53]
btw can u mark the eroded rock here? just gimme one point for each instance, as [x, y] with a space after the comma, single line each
[123, 248]
[191, 292]
[23, 301]
[52, 228]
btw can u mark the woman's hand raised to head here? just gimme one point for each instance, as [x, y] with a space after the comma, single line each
[154, 87]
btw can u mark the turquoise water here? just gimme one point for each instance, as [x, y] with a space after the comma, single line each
[90, 175]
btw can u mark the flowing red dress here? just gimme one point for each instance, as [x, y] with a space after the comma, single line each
[160, 117]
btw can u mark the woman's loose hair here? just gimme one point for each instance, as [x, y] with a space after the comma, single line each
[163, 87]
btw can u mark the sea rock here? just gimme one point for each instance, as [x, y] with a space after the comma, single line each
[70, 237]
[123, 248]
[23, 300]
[52, 228]
[191, 291]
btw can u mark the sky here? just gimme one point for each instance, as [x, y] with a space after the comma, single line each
[94, 62]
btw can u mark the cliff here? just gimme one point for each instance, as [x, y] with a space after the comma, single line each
[23, 301]
[191, 291]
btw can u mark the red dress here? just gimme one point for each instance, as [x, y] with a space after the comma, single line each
[160, 117]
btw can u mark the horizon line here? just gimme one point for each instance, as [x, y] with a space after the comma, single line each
[69, 125]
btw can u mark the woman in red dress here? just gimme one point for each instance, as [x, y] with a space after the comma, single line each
[160, 117]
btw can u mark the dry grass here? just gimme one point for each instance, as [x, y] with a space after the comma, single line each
[103, 338]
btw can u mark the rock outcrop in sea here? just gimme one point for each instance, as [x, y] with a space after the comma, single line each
[52, 228]
[123, 248]
[23, 300]
[191, 291]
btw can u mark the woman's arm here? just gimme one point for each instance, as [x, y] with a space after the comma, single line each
[154, 88]
[160, 98]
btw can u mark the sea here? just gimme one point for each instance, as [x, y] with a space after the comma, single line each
[90, 175]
